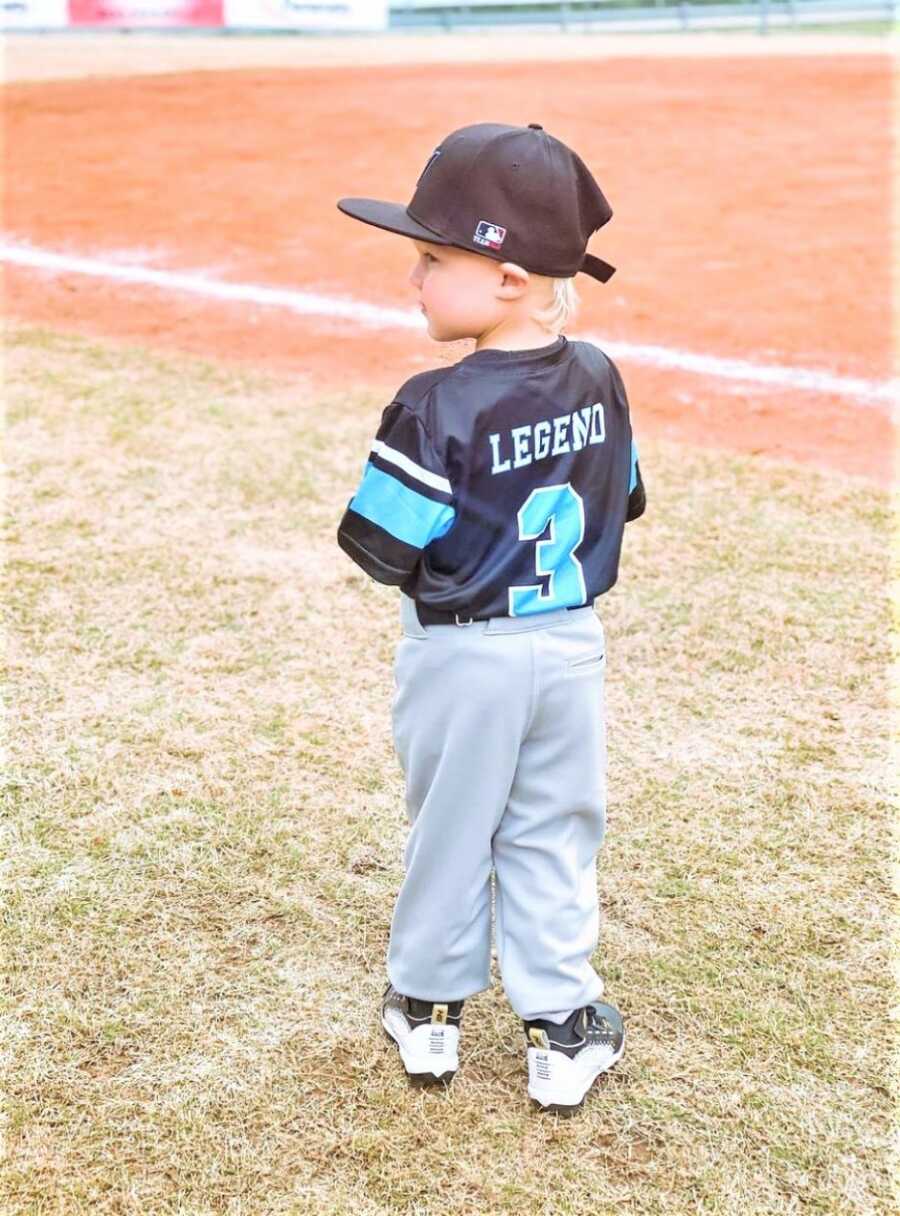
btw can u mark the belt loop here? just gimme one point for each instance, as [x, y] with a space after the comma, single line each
[470, 621]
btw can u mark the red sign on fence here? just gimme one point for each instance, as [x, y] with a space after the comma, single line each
[152, 13]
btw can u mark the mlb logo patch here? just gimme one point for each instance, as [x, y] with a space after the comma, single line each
[489, 234]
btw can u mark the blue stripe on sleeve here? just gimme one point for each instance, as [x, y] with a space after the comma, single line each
[634, 459]
[408, 516]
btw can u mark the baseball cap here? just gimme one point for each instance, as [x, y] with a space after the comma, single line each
[516, 194]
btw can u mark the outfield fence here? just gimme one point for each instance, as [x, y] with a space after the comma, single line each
[263, 16]
[581, 15]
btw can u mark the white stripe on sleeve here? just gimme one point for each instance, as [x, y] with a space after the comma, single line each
[410, 466]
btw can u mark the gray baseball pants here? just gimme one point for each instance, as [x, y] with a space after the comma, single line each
[500, 730]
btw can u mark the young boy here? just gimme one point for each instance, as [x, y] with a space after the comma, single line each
[495, 496]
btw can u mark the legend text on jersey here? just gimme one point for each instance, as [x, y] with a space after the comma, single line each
[549, 437]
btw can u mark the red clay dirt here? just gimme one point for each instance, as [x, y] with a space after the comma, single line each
[751, 203]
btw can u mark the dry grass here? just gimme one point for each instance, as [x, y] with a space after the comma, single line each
[205, 831]
[77, 54]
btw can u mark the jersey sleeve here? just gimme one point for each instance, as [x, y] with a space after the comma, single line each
[403, 502]
[637, 496]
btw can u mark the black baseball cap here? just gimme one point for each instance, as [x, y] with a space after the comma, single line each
[515, 194]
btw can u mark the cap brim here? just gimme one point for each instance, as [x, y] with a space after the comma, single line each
[392, 217]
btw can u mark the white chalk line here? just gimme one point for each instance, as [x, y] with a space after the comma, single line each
[305, 303]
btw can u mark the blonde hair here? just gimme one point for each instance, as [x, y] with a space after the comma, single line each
[562, 307]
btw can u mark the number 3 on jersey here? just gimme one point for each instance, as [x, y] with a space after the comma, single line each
[563, 509]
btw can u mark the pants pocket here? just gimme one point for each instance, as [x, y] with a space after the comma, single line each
[594, 661]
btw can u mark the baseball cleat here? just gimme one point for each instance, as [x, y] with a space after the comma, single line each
[565, 1060]
[426, 1034]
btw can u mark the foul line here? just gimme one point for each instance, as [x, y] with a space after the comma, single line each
[305, 303]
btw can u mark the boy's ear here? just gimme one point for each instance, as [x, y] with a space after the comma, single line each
[513, 275]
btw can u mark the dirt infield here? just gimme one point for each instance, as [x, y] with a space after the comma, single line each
[751, 199]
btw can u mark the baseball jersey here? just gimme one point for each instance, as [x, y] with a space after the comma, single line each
[500, 485]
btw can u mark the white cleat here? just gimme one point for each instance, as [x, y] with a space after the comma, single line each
[426, 1034]
[565, 1060]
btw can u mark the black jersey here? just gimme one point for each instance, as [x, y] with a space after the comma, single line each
[500, 485]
